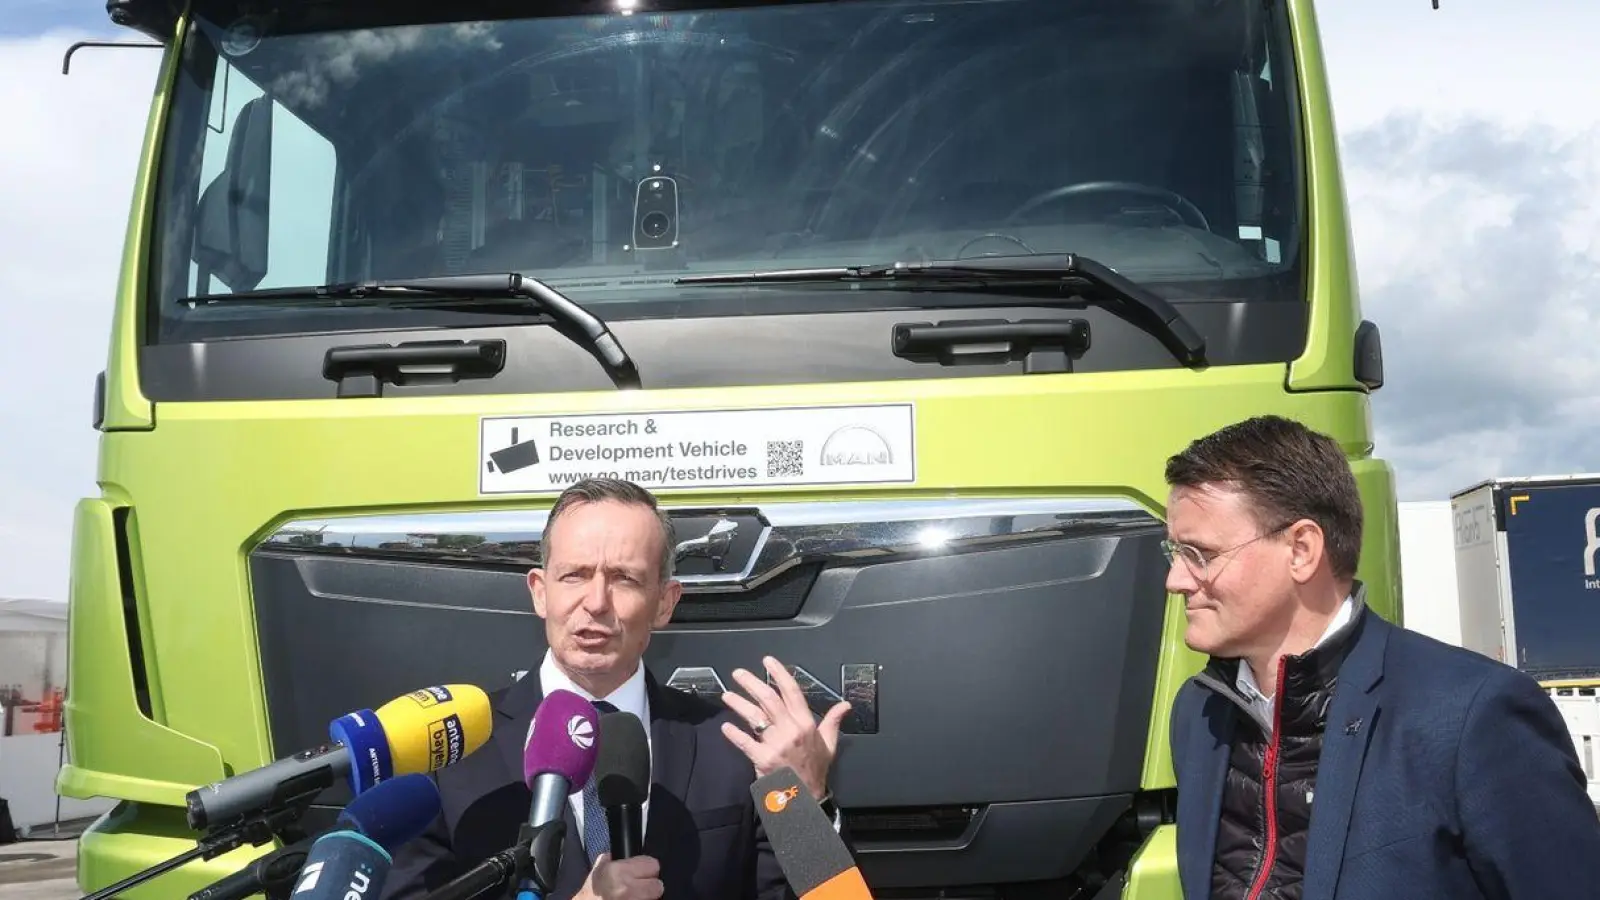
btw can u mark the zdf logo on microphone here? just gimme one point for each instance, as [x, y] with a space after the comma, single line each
[581, 731]
[778, 801]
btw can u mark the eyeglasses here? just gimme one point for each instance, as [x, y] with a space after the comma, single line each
[1196, 560]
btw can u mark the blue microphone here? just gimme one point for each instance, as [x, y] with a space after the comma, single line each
[354, 861]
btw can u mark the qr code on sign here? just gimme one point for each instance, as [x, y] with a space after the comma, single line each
[785, 459]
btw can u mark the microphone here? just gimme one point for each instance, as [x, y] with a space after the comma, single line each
[622, 779]
[395, 812]
[557, 760]
[813, 857]
[354, 861]
[422, 731]
[560, 753]
[556, 763]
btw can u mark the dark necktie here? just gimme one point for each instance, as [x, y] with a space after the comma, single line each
[596, 833]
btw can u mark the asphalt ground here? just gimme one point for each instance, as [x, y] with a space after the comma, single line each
[39, 870]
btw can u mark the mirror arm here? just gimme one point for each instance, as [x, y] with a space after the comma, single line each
[66, 61]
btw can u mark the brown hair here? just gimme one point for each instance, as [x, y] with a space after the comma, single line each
[1288, 472]
[595, 490]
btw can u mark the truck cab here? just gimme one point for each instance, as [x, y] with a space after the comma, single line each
[898, 306]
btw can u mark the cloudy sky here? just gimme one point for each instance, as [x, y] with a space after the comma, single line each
[1470, 143]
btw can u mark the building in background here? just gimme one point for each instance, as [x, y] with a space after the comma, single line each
[33, 676]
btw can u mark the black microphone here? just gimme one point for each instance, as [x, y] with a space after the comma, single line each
[536, 857]
[390, 814]
[622, 780]
[400, 738]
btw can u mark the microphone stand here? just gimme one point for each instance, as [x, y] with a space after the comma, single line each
[536, 856]
[278, 820]
[273, 875]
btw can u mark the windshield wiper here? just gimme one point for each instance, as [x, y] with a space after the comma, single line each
[481, 293]
[1067, 273]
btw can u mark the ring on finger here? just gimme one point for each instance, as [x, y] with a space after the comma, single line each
[761, 726]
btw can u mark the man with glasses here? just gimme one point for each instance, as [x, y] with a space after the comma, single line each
[1324, 753]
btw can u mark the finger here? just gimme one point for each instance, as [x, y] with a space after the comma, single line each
[763, 694]
[641, 867]
[789, 689]
[747, 745]
[833, 722]
[746, 710]
[760, 692]
[651, 890]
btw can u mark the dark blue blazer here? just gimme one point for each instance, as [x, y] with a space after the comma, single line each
[702, 828]
[1444, 775]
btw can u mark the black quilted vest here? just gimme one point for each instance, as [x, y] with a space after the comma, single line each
[1272, 773]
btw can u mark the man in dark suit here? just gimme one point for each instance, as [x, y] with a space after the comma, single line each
[604, 586]
[1324, 753]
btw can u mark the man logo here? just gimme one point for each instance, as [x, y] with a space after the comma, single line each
[778, 801]
[856, 445]
[858, 683]
[581, 732]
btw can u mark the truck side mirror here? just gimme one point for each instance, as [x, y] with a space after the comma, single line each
[231, 237]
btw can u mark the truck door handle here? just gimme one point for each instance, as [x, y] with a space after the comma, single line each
[1044, 345]
[362, 370]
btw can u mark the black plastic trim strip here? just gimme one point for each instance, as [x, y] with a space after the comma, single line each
[132, 622]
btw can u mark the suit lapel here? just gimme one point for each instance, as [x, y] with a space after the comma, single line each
[1346, 736]
[672, 740]
[514, 714]
[1205, 768]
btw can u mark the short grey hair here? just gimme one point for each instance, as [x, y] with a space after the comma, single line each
[595, 490]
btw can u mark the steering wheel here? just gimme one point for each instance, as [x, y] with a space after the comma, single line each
[1177, 203]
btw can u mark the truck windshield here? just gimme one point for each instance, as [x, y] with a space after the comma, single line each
[609, 155]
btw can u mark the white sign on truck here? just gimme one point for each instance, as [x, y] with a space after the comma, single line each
[788, 446]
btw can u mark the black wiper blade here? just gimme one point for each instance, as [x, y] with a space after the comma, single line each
[483, 292]
[1069, 273]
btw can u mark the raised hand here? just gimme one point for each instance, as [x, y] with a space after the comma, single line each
[783, 731]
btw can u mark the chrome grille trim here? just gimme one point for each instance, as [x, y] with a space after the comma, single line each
[791, 534]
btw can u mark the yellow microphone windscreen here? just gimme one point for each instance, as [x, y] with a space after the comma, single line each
[435, 727]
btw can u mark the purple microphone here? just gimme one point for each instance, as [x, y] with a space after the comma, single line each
[559, 757]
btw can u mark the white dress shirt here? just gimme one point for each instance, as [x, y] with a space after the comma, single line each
[631, 697]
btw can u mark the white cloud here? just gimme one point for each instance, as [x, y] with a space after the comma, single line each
[1476, 255]
[1471, 141]
[67, 161]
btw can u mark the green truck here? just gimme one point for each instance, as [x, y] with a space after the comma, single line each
[898, 305]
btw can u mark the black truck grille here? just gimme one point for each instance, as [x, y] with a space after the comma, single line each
[1001, 655]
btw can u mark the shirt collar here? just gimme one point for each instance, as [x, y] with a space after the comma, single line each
[1246, 680]
[630, 697]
